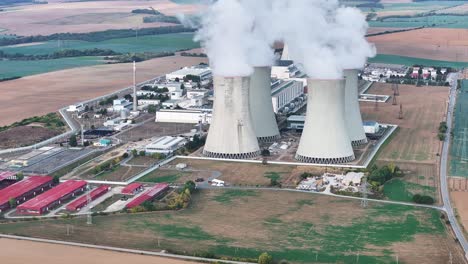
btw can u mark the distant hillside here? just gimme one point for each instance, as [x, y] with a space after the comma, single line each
[11, 2]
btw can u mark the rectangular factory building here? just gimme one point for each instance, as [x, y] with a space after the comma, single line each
[83, 200]
[152, 193]
[46, 201]
[23, 190]
[283, 93]
[132, 188]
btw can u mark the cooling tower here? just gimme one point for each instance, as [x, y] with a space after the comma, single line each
[261, 106]
[231, 134]
[353, 113]
[325, 138]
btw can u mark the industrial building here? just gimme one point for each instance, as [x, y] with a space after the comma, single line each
[83, 200]
[352, 110]
[149, 195]
[165, 145]
[261, 106]
[231, 134]
[132, 188]
[325, 138]
[201, 72]
[43, 203]
[184, 116]
[7, 175]
[121, 104]
[284, 93]
[24, 190]
[295, 122]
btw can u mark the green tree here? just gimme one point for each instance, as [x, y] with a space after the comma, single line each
[56, 179]
[190, 185]
[142, 153]
[12, 202]
[134, 152]
[72, 142]
[265, 258]
[19, 176]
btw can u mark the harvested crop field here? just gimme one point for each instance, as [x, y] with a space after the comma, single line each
[45, 93]
[25, 136]
[13, 251]
[297, 227]
[88, 16]
[460, 205]
[431, 43]
[423, 109]
[153, 129]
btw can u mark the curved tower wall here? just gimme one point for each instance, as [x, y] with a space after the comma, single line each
[261, 106]
[231, 134]
[325, 138]
[353, 113]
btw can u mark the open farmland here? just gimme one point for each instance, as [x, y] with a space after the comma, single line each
[423, 110]
[149, 43]
[44, 93]
[297, 227]
[13, 251]
[411, 61]
[459, 146]
[87, 16]
[439, 21]
[429, 43]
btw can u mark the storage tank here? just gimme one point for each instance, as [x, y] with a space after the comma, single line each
[261, 106]
[325, 138]
[231, 134]
[352, 110]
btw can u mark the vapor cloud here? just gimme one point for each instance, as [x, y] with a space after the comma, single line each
[323, 37]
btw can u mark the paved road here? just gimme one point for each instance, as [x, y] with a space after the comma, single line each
[443, 172]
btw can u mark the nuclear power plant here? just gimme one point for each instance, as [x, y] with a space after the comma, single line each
[325, 138]
[353, 113]
[261, 106]
[232, 134]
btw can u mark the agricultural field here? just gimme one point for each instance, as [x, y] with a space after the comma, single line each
[403, 191]
[149, 43]
[438, 21]
[297, 227]
[25, 136]
[434, 46]
[459, 145]
[45, 93]
[411, 61]
[26, 68]
[423, 109]
[85, 16]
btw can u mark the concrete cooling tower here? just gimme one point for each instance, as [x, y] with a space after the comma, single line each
[261, 106]
[231, 134]
[325, 138]
[353, 113]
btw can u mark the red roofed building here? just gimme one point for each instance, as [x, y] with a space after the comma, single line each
[24, 190]
[7, 175]
[83, 200]
[152, 193]
[132, 188]
[46, 201]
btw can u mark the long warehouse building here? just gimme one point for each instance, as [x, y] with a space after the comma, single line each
[152, 193]
[24, 190]
[43, 203]
[83, 200]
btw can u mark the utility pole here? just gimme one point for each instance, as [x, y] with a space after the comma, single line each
[82, 135]
[134, 88]
[400, 115]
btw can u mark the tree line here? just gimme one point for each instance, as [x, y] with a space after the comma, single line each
[67, 53]
[95, 36]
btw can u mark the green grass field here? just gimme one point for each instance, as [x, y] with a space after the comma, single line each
[410, 61]
[25, 68]
[446, 21]
[399, 190]
[159, 176]
[459, 146]
[157, 43]
[301, 228]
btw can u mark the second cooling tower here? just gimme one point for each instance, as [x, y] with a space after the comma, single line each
[261, 106]
[231, 134]
[325, 138]
[353, 113]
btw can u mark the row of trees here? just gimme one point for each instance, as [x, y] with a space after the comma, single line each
[442, 130]
[137, 57]
[67, 53]
[51, 121]
[95, 36]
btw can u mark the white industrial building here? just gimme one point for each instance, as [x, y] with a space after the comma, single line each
[165, 145]
[285, 69]
[261, 106]
[76, 108]
[146, 93]
[352, 110]
[170, 104]
[196, 93]
[371, 127]
[231, 133]
[325, 138]
[183, 116]
[283, 93]
[148, 102]
[202, 72]
[296, 122]
[121, 104]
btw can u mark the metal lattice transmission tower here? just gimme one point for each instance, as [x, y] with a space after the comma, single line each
[89, 219]
[394, 98]
[400, 115]
[376, 105]
[364, 201]
[396, 89]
